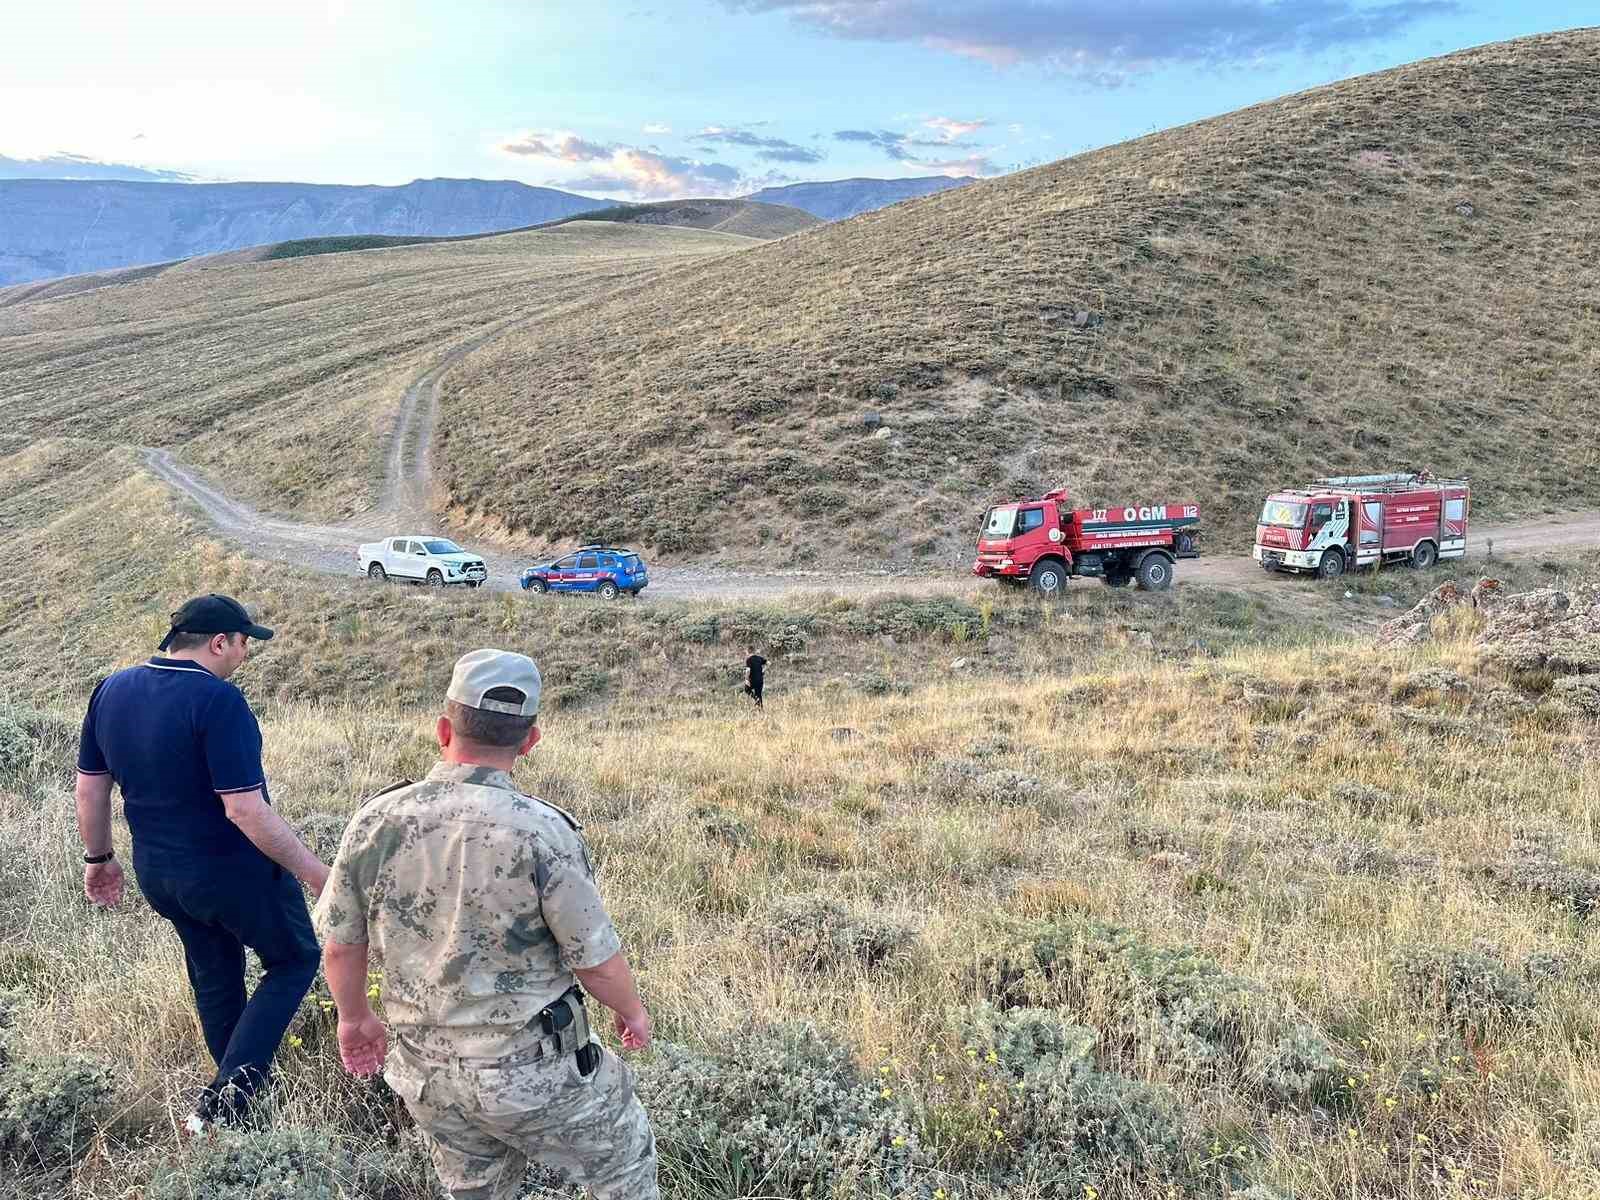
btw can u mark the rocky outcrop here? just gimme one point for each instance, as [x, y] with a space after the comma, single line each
[1547, 629]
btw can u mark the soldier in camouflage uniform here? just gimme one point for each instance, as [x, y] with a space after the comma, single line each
[481, 902]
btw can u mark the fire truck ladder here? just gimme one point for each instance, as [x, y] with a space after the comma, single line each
[1397, 482]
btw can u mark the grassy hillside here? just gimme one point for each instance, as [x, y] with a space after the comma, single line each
[282, 378]
[748, 218]
[1392, 271]
[1149, 893]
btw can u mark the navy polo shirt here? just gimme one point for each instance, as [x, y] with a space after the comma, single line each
[173, 736]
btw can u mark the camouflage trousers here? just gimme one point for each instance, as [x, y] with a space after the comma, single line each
[483, 1124]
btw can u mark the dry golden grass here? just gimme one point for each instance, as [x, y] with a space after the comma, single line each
[282, 378]
[1284, 799]
[1288, 290]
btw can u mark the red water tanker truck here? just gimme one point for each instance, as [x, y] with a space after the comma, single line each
[1042, 543]
[1344, 522]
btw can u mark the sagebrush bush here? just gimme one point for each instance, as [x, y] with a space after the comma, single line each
[1571, 888]
[1170, 1006]
[586, 683]
[1468, 986]
[782, 1111]
[50, 1109]
[16, 747]
[29, 736]
[292, 1163]
[816, 932]
[1068, 1126]
[902, 617]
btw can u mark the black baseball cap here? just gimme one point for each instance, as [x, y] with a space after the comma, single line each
[214, 614]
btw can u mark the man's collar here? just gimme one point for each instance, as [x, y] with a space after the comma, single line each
[177, 664]
[444, 772]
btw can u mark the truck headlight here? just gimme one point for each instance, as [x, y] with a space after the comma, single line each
[1005, 562]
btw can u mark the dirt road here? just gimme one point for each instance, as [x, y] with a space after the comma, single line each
[404, 508]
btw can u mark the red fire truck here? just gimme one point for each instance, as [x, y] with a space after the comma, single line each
[1043, 542]
[1351, 521]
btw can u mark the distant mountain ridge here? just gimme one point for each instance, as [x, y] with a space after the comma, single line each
[52, 227]
[78, 166]
[840, 199]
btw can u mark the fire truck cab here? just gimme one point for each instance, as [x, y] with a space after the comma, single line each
[1350, 521]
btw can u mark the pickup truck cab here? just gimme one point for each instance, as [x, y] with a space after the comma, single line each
[435, 561]
[608, 571]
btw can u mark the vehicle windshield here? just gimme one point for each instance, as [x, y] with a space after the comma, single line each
[997, 526]
[1284, 513]
[442, 546]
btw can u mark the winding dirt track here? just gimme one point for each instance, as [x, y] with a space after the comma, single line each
[404, 507]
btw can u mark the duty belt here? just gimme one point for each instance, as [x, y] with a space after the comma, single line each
[563, 1022]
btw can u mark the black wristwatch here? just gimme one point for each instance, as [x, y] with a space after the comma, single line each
[95, 860]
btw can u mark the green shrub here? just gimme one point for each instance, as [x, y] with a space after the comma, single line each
[774, 631]
[580, 685]
[720, 825]
[701, 630]
[817, 932]
[291, 1163]
[1170, 1006]
[782, 1111]
[50, 1108]
[1468, 986]
[1069, 1126]
[16, 747]
[903, 617]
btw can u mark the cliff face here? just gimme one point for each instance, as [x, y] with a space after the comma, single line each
[52, 227]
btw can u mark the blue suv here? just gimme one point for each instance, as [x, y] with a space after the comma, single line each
[609, 570]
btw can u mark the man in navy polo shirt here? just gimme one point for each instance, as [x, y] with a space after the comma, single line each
[210, 853]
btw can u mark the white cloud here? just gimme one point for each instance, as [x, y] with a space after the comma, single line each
[657, 127]
[641, 173]
[950, 130]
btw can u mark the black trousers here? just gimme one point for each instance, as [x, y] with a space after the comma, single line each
[221, 906]
[753, 690]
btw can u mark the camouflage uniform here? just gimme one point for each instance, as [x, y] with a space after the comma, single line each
[481, 902]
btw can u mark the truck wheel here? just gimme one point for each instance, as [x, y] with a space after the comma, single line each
[1154, 573]
[1048, 578]
[435, 579]
[376, 573]
[608, 590]
[536, 586]
[1424, 555]
[1332, 564]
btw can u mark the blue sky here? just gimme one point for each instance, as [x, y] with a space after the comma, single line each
[694, 97]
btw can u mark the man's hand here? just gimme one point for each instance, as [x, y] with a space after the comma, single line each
[635, 1030]
[102, 883]
[363, 1045]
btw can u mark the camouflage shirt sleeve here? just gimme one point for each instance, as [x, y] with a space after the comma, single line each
[341, 912]
[573, 910]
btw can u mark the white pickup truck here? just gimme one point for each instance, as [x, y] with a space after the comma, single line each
[435, 561]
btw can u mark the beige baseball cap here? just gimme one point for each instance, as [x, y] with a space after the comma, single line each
[482, 671]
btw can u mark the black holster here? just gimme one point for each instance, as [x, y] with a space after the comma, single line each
[565, 1021]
